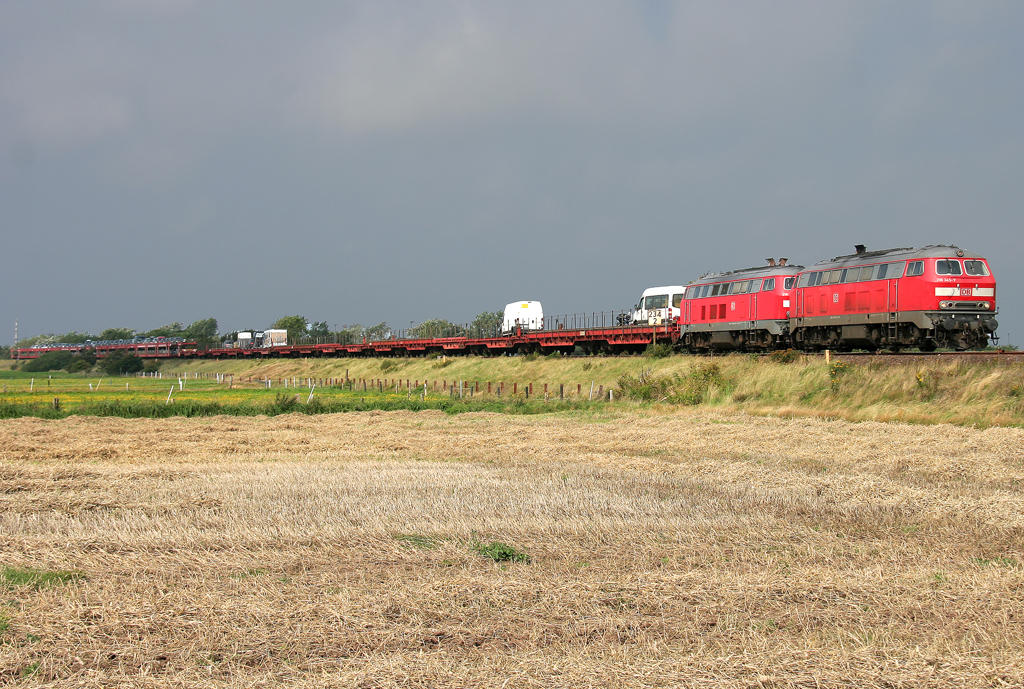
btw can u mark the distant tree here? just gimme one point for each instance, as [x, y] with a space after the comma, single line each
[350, 334]
[117, 334]
[204, 328]
[320, 330]
[487, 324]
[174, 329]
[203, 332]
[119, 363]
[381, 331]
[297, 327]
[436, 327]
[69, 338]
[5, 352]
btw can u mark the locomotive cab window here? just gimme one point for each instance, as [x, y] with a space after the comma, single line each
[705, 291]
[975, 268]
[769, 285]
[691, 292]
[946, 266]
[715, 290]
[786, 284]
[914, 268]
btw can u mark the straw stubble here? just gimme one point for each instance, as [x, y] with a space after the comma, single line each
[689, 548]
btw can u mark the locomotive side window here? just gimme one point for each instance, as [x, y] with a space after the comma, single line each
[889, 270]
[948, 267]
[866, 272]
[914, 268]
[691, 292]
[975, 268]
[714, 290]
[769, 285]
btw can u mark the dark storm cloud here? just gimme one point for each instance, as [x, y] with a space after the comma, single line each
[358, 162]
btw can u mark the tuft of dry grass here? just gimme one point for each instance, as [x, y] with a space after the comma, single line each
[688, 548]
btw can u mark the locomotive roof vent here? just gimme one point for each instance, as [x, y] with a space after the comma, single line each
[771, 261]
[859, 248]
[782, 261]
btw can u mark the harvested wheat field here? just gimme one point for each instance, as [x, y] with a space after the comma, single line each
[679, 548]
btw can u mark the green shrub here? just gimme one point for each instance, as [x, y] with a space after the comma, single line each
[783, 356]
[388, 365]
[499, 552]
[693, 388]
[80, 364]
[119, 363]
[51, 361]
[658, 351]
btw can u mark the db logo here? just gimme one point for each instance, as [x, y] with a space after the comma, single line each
[965, 291]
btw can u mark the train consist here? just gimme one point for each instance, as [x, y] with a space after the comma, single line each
[935, 297]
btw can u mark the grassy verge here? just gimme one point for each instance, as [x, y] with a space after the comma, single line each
[980, 393]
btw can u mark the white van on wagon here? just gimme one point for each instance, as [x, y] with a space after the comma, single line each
[522, 315]
[658, 304]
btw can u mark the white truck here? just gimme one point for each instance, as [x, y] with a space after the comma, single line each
[522, 316]
[275, 338]
[658, 304]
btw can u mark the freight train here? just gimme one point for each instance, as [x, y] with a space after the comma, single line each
[929, 298]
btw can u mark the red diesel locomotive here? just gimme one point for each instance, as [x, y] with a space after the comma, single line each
[938, 296]
[742, 309]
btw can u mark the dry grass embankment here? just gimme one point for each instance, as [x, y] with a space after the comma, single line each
[692, 548]
[978, 393]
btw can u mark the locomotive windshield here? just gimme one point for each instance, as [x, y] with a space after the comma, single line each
[975, 268]
[948, 267]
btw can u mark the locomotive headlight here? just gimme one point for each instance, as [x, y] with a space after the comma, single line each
[945, 304]
[985, 305]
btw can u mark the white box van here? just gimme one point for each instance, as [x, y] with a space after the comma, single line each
[658, 304]
[526, 315]
[275, 338]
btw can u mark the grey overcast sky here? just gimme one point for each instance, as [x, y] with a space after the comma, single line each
[357, 162]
